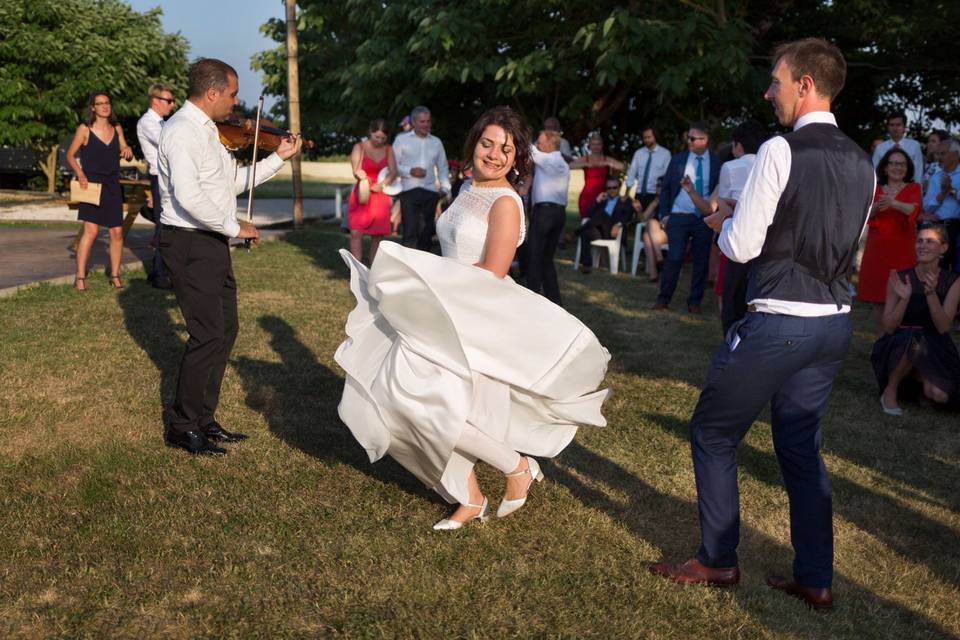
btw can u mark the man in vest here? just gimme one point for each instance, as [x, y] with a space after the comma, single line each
[800, 216]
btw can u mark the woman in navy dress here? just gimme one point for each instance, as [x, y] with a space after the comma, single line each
[100, 143]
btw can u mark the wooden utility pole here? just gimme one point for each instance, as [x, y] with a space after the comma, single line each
[293, 103]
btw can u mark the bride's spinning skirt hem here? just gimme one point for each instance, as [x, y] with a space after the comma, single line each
[433, 344]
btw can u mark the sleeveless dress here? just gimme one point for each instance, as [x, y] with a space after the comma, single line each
[372, 218]
[101, 164]
[435, 342]
[890, 244]
[594, 183]
[932, 353]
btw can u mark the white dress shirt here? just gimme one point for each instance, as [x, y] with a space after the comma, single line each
[683, 203]
[551, 178]
[410, 151]
[659, 160]
[199, 178]
[733, 176]
[910, 146]
[743, 235]
[148, 133]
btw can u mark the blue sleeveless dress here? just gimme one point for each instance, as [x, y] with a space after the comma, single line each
[101, 164]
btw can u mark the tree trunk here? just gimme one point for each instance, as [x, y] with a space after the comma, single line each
[49, 168]
[293, 105]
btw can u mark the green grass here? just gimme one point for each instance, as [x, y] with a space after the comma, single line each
[107, 533]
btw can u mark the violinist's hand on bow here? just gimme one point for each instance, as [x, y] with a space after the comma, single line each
[290, 146]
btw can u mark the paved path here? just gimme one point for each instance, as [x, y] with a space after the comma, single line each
[29, 255]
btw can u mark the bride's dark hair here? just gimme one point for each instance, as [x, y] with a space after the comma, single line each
[515, 127]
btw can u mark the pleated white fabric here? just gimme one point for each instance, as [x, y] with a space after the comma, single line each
[434, 344]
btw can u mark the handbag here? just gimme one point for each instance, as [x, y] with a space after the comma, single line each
[90, 195]
[363, 186]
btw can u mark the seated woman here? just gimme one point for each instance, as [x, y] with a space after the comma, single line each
[919, 310]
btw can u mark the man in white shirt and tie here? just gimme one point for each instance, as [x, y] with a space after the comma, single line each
[897, 128]
[649, 164]
[422, 163]
[199, 184]
[148, 132]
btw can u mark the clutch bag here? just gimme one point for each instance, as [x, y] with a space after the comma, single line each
[90, 195]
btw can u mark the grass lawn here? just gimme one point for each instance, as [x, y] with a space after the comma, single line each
[107, 533]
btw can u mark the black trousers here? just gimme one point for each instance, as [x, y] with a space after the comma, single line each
[599, 228]
[202, 277]
[789, 362]
[546, 225]
[157, 271]
[645, 199]
[417, 209]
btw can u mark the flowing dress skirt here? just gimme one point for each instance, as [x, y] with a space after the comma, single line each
[434, 344]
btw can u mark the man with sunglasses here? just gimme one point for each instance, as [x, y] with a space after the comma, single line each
[605, 220]
[686, 220]
[148, 132]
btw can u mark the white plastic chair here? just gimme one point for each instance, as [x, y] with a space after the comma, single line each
[616, 253]
[637, 247]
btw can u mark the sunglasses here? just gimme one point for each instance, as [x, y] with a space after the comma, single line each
[695, 138]
[167, 100]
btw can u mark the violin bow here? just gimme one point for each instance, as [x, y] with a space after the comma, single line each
[253, 168]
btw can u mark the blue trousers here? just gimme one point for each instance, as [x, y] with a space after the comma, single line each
[680, 228]
[791, 362]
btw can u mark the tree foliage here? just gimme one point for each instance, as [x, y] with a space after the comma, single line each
[603, 65]
[53, 53]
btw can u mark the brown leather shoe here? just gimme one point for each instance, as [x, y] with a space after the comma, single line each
[659, 306]
[693, 572]
[694, 308]
[819, 598]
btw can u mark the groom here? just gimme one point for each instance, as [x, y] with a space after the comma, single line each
[800, 215]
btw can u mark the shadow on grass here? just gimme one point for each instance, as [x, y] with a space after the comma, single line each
[298, 397]
[671, 525]
[917, 538]
[146, 313]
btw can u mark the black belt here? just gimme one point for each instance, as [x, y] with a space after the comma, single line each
[212, 234]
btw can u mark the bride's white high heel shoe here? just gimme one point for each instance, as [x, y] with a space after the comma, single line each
[448, 525]
[509, 506]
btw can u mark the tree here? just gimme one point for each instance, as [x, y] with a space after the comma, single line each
[603, 65]
[53, 53]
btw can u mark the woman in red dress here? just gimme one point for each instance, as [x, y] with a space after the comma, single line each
[892, 229]
[596, 167]
[371, 218]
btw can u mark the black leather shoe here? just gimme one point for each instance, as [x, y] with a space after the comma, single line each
[217, 433]
[194, 442]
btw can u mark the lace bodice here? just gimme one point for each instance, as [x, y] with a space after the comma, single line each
[462, 229]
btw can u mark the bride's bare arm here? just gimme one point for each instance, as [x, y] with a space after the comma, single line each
[503, 231]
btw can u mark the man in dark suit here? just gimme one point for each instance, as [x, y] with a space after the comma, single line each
[686, 221]
[605, 220]
[799, 218]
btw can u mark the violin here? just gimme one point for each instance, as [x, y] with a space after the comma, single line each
[237, 133]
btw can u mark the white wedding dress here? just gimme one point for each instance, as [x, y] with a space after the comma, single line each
[436, 343]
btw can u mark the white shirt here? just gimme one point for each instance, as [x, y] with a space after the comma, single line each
[733, 176]
[743, 235]
[148, 133]
[410, 151]
[199, 178]
[659, 160]
[552, 177]
[910, 146]
[683, 203]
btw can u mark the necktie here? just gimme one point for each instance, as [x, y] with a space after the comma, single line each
[699, 181]
[646, 172]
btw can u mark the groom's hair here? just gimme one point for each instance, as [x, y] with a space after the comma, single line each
[817, 58]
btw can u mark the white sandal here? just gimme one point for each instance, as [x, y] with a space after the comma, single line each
[449, 525]
[509, 506]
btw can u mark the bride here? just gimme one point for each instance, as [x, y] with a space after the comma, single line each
[448, 361]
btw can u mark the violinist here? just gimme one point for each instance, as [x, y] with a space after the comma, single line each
[199, 183]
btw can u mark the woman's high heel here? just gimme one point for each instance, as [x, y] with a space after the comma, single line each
[76, 281]
[509, 506]
[116, 282]
[449, 525]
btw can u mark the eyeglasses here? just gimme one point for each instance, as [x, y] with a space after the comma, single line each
[611, 187]
[898, 163]
[102, 104]
[695, 138]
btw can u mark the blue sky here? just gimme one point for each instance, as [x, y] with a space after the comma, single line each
[229, 30]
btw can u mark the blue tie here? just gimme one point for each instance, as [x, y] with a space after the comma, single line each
[699, 181]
